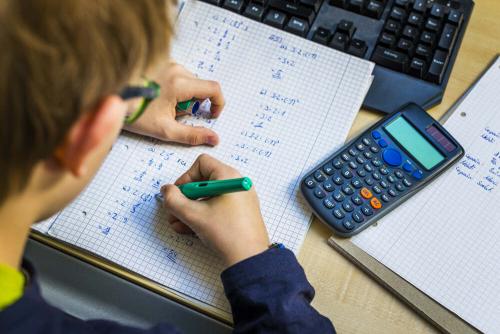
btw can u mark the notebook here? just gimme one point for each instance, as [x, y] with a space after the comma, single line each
[446, 239]
[289, 103]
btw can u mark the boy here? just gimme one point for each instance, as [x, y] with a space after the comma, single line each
[62, 66]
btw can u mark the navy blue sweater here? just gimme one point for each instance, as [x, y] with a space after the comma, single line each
[269, 293]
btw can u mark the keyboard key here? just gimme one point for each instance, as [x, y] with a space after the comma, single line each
[346, 27]
[352, 165]
[410, 33]
[328, 186]
[362, 173]
[353, 152]
[293, 9]
[375, 203]
[455, 17]
[447, 40]
[417, 174]
[374, 9]
[297, 26]
[275, 19]
[310, 183]
[428, 38]
[357, 216]
[346, 172]
[387, 39]
[407, 182]
[337, 163]
[374, 149]
[392, 26]
[360, 146]
[368, 168]
[385, 198]
[319, 193]
[383, 184]
[417, 68]
[392, 157]
[347, 189]
[367, 141]
[339, 41]
[376, 176]
[399, 174]
[432, 24]
[315, 4]
[405, 4]
[369, 181]
[348, 224]
[420, 6]
[338, 213]
[337, 179]
[437, 67]
[366, 210]
[338, 3]
[423, 52]
[406, 46]
[234, 5]
[437, 11]
[416, 20]
[399, 187]
[391, 179]
[398, 14]
[254, 11]
[407, 167]
[377, 162]
[360, 160]
[345, 156]
[347, 207]
[376, 189]
[214, 2]
[319, 176]
[322, 36]
[356, 183]
[368, 155]
[328, 203]
[392, 59]
[366, 193]
[356, 6]
[338, 196]
[357, 200]
[328, 169]
[384, 170]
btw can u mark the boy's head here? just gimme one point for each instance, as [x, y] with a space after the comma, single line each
[61, 65]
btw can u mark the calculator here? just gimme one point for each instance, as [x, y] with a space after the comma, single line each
[379, 170]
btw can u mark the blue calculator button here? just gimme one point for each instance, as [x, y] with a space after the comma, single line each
[328, 203]
[328, 185]
[338, 196]
[319, 176]
[357, 216]
[319, 193]
[346, 173]
[407, 167]
[392, 157]
[328, 169]
[357, 200]
[376, 135]
[347, 206]
[417, 174]
[407, 182]
[310, 183]
[367, 211]
[349, 225]
[382, 143]
[338, 213]
[338, 179]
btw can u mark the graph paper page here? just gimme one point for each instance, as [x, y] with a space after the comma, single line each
[446, 240]
[289, 102]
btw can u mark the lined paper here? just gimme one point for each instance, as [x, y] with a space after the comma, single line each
[290, 102]
[446, 239]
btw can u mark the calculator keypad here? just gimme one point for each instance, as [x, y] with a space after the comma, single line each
[361, 180]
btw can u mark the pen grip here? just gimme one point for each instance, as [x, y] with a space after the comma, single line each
[212, 188]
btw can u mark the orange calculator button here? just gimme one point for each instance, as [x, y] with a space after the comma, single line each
[375, 203]
[365, 193]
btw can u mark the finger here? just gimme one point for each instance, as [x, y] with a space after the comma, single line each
[206, 167]
[190, 135]
[181, 228]
[202, 89]
[180, 206]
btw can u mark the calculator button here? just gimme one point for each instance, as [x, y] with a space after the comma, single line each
[338, 196]
[376, 135]
[399, 187]
[383, 184]
[360, 146]
[374, 149]
[362, 173]
[365, 193]
[338, 179]
[348, 224]
[377, 162]
[375, 203]
[310, 183]
[367, 141]
[328, 169]
[345, 157]
[346, 173]
[337, 163]
[319, 193]
[385, 198]
[392, 192]
[407, 167]
[347, 190]
[319, 176]
[417, 174]
[407, 182]
[382, 143]
[347, 206]
[360, 160]
[367, 211]
[353, 152]
[368, 155]
[391, 179]
[377, 189]
[356, 183]
[399, 174]
[328, 186]
[376, 176]
[384, 170]
[368, 168]
[369, 181]
[357, 216]
[338, 213]
[357, 200]
[353, 165]
[328, 203]
[392, 157]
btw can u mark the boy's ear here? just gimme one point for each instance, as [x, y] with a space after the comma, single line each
[90, 131]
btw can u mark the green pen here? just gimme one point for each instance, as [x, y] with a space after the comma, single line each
[189, 106]
[195, 190]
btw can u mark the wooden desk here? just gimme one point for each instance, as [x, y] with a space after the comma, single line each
[354, 302]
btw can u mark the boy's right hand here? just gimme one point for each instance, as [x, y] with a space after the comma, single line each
[231, 224]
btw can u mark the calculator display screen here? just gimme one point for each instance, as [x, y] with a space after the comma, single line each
[416, 144]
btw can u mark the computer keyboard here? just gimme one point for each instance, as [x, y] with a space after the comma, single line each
[413, 42]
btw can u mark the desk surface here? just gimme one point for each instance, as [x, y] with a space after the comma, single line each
[354, 302]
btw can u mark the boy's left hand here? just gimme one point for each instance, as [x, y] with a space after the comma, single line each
[177, 85]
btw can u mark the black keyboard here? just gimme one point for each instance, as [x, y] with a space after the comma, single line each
[413, 42]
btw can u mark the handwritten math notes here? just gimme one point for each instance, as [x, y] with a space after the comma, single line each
[446, 239]
[289, 103]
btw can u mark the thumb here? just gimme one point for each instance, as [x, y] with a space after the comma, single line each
[190, 135]
[186, 210]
